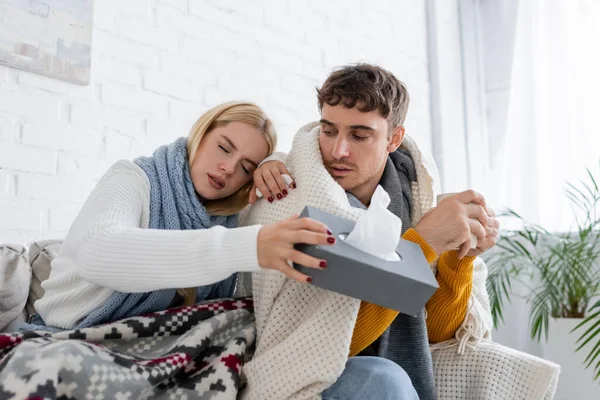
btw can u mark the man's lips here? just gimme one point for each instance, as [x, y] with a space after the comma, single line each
[216, 182]
[339, 170]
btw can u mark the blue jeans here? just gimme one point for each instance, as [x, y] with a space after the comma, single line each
[374, 378]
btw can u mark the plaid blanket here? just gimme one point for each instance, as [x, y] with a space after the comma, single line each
[191, 352]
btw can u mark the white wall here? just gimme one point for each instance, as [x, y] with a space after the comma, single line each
[158, 64]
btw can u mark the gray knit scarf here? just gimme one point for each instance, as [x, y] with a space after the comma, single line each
[174, 204]
[405, 342]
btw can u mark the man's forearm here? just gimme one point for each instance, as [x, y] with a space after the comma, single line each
[447, 308]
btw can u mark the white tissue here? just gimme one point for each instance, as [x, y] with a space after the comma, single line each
[377, 231]
[286, 178]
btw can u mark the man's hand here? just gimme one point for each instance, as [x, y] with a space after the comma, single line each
[268, 179]
[491, 235]
[449, 225]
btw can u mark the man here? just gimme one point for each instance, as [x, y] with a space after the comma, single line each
[363, 108]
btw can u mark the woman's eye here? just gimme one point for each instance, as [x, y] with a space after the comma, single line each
[224, 149]
[246, 170]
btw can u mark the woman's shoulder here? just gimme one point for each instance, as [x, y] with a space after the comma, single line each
[126, 169]
[122, 177]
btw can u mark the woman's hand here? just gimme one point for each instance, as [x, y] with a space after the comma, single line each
[268, 179]
[276, 245]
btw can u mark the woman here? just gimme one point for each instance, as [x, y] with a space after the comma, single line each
[157, 225]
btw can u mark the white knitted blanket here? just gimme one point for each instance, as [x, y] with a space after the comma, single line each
[304, 332]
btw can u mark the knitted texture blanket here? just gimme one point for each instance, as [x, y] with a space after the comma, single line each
[405, 342]
[304, 332]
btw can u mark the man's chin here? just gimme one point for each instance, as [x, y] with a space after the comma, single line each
[343, 181]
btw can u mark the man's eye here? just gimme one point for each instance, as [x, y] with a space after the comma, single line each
[359, 138]
[224, 149]
[328, 133]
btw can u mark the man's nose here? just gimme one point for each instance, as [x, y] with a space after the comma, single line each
[341, 149]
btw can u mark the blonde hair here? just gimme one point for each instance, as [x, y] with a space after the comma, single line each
[234, 111]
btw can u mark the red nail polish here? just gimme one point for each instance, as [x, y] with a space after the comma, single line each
[279, 196]
[329, 232]
[293, 185]
[284, 192]
[323, 264]
[331, 239]
[309, 279]
[270, 199]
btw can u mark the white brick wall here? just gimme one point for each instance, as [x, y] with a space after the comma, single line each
[158, 64]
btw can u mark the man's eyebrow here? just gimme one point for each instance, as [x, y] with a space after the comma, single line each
[362, 128]
[233, 146]
[353, 127]
[324, 121]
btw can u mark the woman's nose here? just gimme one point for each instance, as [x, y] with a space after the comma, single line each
[227, 167]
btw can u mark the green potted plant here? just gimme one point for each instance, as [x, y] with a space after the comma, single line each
[562, 276]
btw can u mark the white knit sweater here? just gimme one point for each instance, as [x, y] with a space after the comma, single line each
[109, 248]
[304, 332]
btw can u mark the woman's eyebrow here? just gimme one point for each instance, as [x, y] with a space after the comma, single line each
[234, 147]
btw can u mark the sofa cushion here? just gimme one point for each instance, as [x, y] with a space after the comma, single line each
[15, 278]
[41, 255]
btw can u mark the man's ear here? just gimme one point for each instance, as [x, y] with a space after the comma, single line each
[396, 139]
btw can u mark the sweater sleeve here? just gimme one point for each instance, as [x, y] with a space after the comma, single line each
[447, 308]
[112, 250]
[372, 319]
[277, 156]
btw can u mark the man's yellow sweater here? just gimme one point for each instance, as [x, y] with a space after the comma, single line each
[446, 309]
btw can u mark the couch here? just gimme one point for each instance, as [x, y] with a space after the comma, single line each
[23, 270]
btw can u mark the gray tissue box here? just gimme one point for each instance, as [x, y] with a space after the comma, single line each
[404, 285]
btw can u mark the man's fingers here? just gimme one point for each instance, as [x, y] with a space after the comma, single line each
[477, 229]
[493, 223]
[464, 249]
[477, 212]
[490, 211]
[471, 196]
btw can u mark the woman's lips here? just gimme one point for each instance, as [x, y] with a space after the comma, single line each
[215, 182]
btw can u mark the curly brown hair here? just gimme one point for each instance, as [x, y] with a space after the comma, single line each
[367, 87]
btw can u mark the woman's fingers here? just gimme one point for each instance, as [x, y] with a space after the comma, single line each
[262, 186]
[280, 184]
[309, 237]
[309, 224]
[293, 273]
[284, 171]
[300, 258]
[272, 185]
[252, 197]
